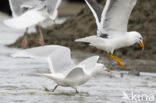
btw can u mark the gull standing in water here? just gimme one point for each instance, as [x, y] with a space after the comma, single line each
[112, 24]
[28, 13]
[64, 72]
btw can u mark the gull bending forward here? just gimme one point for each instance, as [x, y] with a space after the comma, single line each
[64, 72]
[112, 24]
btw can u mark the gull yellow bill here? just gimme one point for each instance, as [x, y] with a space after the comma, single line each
[107, 70]
[141, 45]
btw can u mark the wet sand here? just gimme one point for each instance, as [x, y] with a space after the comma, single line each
[20, 84]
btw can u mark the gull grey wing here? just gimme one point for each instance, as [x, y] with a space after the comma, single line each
[15, 6]
[96, 10]
[61, 61]
[52, 6]
[88, 64]
[75, 74]
[115, 15]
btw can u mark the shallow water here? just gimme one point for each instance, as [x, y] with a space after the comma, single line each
[20, 84]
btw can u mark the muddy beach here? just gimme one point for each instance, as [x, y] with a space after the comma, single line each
[20, 84]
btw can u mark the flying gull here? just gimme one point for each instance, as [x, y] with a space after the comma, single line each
[65, 72]
[112, 24]
[27, 13]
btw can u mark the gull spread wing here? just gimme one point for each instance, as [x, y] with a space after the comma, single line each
[60, 61]
[115, 15]
[52, 6]
[96, 10]
[15, 6]
[38, 52]
[84, 68]
[88, 64]
[76, 74]
[29, 18]
[38, 4]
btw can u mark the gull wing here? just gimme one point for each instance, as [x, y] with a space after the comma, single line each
[52, 6]
[38, 4]
[88, 64]
[76, 74]
[18, 7]
[25, 20]
[60, 61]
[15, 6]
[38, 52]
[84, 68]
[96, 10]
[115, 15]
[57, 56]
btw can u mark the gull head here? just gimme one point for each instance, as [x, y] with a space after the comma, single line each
[98, 68]
[137, 38]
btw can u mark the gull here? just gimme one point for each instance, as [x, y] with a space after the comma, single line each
[64, 72]
[27, 13]
[112, 24]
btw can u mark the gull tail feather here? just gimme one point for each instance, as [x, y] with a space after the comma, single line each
[88, 39]
[49, 76]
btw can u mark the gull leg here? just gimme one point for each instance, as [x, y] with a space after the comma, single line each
[76, 91]
[54, 88]
[41, 39]
[117, 59]
[54, 21]
[25, 41]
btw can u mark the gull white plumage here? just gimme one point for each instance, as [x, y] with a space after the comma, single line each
[65, 72]
[112, 24]
[27, 13]
[41, 52]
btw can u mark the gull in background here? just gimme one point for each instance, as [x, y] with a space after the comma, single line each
[112, 24]
[27, 13]
[65, 72]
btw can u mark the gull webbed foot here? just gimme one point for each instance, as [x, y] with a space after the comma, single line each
[117, 59]
[120, 63]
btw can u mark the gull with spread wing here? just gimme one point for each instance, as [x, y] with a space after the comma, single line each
[27, 13]
[112, 24]
[64, 72]
[40, 52]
